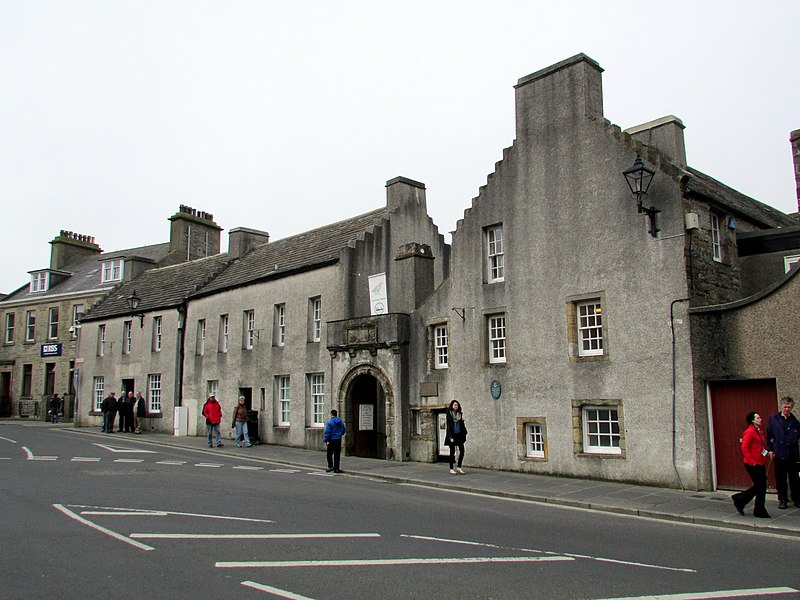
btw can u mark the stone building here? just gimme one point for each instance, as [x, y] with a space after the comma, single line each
[41, 319]
[590, 326]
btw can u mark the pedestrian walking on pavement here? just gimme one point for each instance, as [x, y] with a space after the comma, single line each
[109, 410]
[332, 438]
[141, 412]
[212, 411]
[783, 437]
[240, 424]
[55, 408]
[755, 452]
[456, 435]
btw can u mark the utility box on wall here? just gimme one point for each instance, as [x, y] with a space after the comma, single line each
[181, 420]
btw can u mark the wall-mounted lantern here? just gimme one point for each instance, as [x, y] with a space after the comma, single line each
[133, 304]
[639, 178]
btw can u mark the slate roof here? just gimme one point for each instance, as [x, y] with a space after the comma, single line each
[162, 288]
[305, 251]
[84, 273]
[736, 202]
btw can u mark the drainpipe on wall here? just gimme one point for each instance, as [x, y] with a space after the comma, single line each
[181, 354]
[674, 399]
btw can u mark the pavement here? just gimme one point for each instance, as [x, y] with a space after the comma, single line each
[713, 509]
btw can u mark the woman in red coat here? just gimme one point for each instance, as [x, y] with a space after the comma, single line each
[754, 450]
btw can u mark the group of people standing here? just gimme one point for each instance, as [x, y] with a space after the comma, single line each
[212, 411]
[777, 443]
[131, 410]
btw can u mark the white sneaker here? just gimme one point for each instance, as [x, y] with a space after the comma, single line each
[452, 472]
[460, 472]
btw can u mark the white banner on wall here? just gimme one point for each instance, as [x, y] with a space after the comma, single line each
[377, 294]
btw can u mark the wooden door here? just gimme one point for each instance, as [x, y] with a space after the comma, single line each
[730, 403]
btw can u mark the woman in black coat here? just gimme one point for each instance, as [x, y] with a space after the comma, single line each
[456, 435]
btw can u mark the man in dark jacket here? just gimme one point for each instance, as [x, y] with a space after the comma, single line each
[783, 437]
[109, 410]
[141, 412]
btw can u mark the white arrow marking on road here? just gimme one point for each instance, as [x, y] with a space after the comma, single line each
[96, 527]
[717, 594]
[389, 562]
[30, 455]
[274, 591]
[249, 536]
[121, 513]
[123, 450]
[597, 558]
[170, 512]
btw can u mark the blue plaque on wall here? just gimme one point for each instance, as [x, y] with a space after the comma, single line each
[496, 389]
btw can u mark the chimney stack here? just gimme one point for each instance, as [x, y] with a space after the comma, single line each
[69, 246]
[241, 240]
[193, 234]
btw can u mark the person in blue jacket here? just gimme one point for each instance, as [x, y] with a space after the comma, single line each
[332, 438]
[783, 436]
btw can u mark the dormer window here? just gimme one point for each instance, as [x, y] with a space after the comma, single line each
[112, 270]
[39, 282]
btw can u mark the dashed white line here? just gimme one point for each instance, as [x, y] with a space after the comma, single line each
[171, 462]
[284, 470]
[716, 594]
[274, 591]
[389, 562]
[208, 465]
[84, 459]
[247, 468]
[128, 460]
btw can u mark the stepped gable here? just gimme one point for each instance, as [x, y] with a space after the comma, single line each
[305, 251]
[736, 202]
[160, 288]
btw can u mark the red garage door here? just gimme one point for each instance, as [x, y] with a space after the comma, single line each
[730, 403]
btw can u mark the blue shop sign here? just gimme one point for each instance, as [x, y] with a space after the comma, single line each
[51, 350]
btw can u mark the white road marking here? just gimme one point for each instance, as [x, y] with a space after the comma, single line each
[208, 465]
[274, 591]
[128, 460]
[548, 552]
[84, 459]
[246, 468]
[124, 513]
[5, 439]
[717, 594]
[284, 470]
[108, 532]
[171, 462]
[249, 536]
[320, 474]
[169, 512]
[389, 562]
[5, 458]
[123, 450]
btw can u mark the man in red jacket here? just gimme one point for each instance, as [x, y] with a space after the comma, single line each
[212, 411]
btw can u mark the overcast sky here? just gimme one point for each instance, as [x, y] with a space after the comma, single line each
[285, 116]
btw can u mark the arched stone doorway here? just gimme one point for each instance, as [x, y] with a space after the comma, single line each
[365, 409]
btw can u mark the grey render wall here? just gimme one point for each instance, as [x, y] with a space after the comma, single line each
[571, 230]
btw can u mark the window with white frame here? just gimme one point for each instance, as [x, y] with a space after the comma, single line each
[791, 262]
[154, 392]
[249, 328]
[440, 346]
[280, 325]
[39, 281]
[716, 239]
[201, 337]
[284, 411]
[127, 335]
[497, 338]
[101, 340]
[30, 326]
[590, 328]
[494, 254]
[534, 440]
[158, 324]
[52, 323]
[77, 313]
[315, 319]
[601, 430]
[316, 392]
[223, 333]
[417, 414]
[11, 319]
[112, 270]
[212, 388]
[99, 387]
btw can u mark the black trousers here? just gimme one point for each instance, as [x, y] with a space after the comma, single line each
[460, 446]
[787, 469]
[758, 474]
[334, 454]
